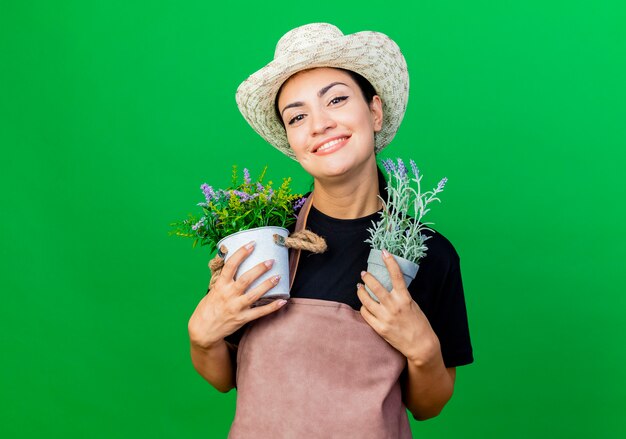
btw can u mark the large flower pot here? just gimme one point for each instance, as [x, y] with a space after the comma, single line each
[376, 266]
[265, 248]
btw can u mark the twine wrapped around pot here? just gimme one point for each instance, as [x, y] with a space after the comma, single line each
[302, 240]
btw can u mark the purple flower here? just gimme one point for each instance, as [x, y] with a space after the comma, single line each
[442, 183]
[242, 195]
[209, 193]
[298, 204]
[259, 187]
[414, 168]
[401, 168]
[199, 224]
[246, 176]
[389, 165]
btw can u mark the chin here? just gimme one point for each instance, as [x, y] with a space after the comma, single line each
[336, 168]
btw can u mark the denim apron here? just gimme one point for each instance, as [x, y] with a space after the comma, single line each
[316, 369]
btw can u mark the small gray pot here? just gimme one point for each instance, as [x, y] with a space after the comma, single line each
[265, 249]
[376, 266]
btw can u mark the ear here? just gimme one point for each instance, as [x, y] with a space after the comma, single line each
[376, 108]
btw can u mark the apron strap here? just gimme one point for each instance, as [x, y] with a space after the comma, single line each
[294, 254]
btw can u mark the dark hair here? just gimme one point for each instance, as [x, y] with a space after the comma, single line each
[367, 90]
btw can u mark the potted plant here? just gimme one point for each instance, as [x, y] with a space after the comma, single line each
[396, 231]
[247, 211]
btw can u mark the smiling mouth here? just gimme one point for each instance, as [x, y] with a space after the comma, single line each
[331, 145]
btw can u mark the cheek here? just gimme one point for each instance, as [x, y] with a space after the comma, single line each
[364, 125]
[361, 119]
[296, 139]
[368, 121]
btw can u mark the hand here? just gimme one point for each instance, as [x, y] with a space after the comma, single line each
[397, 318]
[227, 307]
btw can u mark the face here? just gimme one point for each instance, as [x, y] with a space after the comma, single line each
[329, 125]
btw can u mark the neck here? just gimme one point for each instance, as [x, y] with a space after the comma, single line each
[350, 197]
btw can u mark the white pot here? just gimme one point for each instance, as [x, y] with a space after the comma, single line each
[265, 248]
[376, 266]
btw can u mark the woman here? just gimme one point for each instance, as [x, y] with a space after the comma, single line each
[332, 362]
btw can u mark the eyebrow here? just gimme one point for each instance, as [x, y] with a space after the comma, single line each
[320, 93]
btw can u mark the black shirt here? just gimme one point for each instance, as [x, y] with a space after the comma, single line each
[333, 275]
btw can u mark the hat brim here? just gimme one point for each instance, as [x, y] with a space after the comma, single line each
[371, 54]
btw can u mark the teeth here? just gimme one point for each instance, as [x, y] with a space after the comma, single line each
[331, 143]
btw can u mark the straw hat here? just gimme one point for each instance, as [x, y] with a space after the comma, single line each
[371, 54]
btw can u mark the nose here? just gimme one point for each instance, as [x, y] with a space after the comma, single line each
[322, 121]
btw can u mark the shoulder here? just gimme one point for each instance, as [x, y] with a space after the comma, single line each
[440, 253]
[438, 274]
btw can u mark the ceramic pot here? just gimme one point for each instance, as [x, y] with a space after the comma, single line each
[265, 248]
[376, 266]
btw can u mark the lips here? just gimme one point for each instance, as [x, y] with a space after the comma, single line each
[329, 144]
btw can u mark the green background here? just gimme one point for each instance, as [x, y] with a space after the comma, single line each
[113, 113]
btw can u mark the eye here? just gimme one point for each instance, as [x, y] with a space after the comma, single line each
[338, 99]
[296, 118]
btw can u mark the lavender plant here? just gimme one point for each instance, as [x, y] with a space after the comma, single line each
[243, 206]
[396, 231]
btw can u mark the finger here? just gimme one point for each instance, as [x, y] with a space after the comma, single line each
[250, 297]
[233, 262]
[376, 287]
[370, 304]
[263, 310]
[246, 279]
[369, 318]
[395, 272]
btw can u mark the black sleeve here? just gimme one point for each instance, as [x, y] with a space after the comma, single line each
[450, 322]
